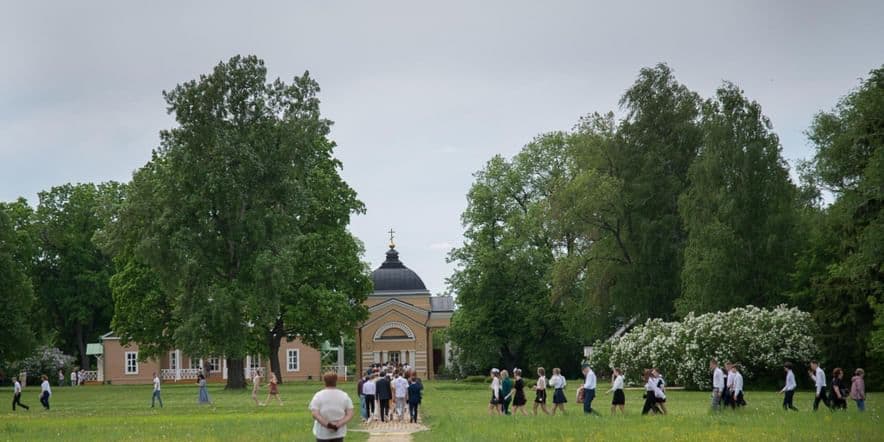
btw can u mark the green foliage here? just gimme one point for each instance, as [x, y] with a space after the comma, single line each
[739, 211]
[71, 273]
[16, 254]
[234, 235]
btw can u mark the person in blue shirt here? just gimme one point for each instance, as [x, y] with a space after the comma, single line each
[414, 398]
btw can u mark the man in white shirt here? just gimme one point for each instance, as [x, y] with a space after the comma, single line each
[819, 380]
[74, 378]
[400, 390]
[588, 387]
[16, 395]
[45, 392]
[717, 384]
[788, 391]
[737, 388]
[728, 385]
[156, 391]
[332, 409]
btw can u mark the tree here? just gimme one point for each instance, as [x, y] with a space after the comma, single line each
[739, 211]
[16, 256]
[71, 273]
[621, 210]
[231, 214]
[849, 162]
[503, 268]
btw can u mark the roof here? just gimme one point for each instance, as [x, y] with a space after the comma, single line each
[94, 349]
[392, 275]
[442, 303]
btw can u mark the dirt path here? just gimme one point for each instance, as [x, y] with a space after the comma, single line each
[391, 431]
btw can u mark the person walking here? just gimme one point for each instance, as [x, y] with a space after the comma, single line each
[61, 378]
[362, 407]
[16, 395]
[415, 393]
[839, 390]
[369, 388]
[494, 404]
[203, 390]
[519, 399]
[331, 409]
[651, 393]
[729, 384]
[540, 391]
[273, 390]
[737, 392]
[384, 396]
[819, 380]
[156, 391]
[717, 384]
[619, 399]
[256, 386]
[45, 392]
[858, 389]
[558, 384]
[74, 377]
[400, 391]
[589, 385]
[506, 391]
[788, 390]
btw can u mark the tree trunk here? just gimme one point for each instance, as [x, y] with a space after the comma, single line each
[81, 346]
[236, 378]
[274, 339]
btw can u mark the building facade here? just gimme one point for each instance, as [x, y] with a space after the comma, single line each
[402, 318]
[119, 364]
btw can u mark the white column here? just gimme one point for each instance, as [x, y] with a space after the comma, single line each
[447, 356]
[100, 369]
[376, 357]
[178, 362]
[223, 368]
[203, 368]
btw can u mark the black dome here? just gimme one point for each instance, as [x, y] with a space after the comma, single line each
[393, 275]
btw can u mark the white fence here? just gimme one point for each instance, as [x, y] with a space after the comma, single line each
[249, 372]
[170, 374]
[89, 375]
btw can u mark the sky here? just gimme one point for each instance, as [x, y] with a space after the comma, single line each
[422, 93]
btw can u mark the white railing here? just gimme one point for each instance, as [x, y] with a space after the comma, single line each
[250, 371]
[171, 374]
[341, 370]
[89, 375]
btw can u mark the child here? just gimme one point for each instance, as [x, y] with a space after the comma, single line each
[619, 399]
[506, 391]
[819, 379]
[494, 405]
[45, 392]
[651, 394]
[519, 400]
[156, 391]
[369, 390]
[661, 387]
[414, 398]
[203, 390]
[858, 389]
[839, 390]
[788, 391]
[256, 385]
[273, 387]
[558, 383]
[540, 391]
[16, 395]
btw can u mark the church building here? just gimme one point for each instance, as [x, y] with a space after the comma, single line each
[402, 317]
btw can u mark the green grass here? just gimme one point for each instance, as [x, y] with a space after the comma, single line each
[454, 412]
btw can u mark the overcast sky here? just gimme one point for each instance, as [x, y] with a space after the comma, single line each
[422, 93]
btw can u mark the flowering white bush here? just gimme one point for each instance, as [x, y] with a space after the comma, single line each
[758, 339]
[45, 360]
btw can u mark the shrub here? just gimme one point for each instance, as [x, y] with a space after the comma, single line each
[760, 340]
[45, 360]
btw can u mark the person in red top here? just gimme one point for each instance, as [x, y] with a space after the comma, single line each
[273, 390]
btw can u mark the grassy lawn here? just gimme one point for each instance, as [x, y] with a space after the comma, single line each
[454, 411]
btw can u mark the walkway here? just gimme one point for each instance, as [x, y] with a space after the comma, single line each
[390, 431]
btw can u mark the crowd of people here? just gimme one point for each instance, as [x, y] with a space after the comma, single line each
[383, 385]
[727, 390]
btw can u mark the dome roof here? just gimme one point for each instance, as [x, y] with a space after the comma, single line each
[392, 275]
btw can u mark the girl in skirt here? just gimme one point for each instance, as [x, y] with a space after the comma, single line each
[661, 390]
[617, 388]
[651, 390]
[558, 383]
[540, 391]
[494, 405]
[519, 400]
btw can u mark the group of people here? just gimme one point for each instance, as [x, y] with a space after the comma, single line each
[78, 377]
[727, 390]
[45, 393]
[382, 385]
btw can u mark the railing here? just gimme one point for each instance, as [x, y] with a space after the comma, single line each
[171, 374]
[89, 375]
[341, 370]
[250, 371]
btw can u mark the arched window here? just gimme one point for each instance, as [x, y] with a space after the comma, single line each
[394, 331]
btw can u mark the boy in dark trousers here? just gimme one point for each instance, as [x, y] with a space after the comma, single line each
[384, 395]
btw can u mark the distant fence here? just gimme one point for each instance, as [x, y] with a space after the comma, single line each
[171, 374]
